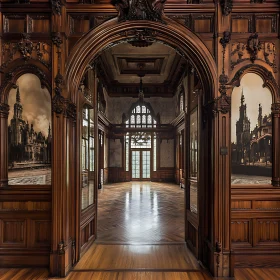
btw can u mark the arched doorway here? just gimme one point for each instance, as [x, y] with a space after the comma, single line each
[188, 45]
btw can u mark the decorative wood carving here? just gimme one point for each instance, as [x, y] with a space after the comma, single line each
[268, 231]
[253, 46]
[56, 7]
[139, 9]
[240, 231]
[266, 75]
[265, 51]
[223, 79]
[222, 104]
[27, 50]
[226, 6]
[57, 39]
[4, 110]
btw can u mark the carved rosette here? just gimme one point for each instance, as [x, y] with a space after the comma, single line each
[4, 110]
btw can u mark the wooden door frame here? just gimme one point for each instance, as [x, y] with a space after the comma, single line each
[191, 46]
[130, 162]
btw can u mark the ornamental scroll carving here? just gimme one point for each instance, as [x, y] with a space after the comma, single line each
[26, 49]
[139, 9]
[253, 50]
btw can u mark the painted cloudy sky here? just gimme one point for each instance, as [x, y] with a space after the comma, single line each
[254, 94]
[36, 102]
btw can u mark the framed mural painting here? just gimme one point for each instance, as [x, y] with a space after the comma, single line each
[29, 133]
[251, 132]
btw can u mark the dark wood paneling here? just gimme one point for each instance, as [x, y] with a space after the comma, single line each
[255, 226]
[25, 222]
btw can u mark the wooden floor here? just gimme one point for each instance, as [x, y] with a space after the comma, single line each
[138, 257]
[140, 213]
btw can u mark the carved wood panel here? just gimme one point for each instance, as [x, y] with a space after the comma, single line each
[13, 233]
[267, 232]
[241, 232]
[40, 235]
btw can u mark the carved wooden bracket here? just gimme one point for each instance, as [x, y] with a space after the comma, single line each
[221, 104]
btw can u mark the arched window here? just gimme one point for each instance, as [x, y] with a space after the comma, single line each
[141, 116]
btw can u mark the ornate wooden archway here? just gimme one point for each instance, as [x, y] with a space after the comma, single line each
[189, 45]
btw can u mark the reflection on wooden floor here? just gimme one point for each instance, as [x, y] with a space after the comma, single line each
[140, 212]
[134, 257]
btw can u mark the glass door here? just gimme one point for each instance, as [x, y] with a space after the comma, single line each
[146, 164]
[141, 164]
[135, 165]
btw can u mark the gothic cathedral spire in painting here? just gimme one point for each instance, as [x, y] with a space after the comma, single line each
[29, 139]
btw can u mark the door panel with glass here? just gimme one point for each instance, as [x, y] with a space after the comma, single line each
[140, 164]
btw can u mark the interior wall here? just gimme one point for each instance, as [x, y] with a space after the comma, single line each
[115, 153]
[167, 153]
[118, 105]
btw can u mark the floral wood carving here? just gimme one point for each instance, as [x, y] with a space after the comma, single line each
[267, 52]
[56, 7]
[61, 105]
[253, 46]
[223, 79]
[25, 46]
[226, 6]
[139, 9]
[141, 37]
[27, 50]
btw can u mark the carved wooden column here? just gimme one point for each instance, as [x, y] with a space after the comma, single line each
[64, 113]
[275, 108]
[4, 112]
[221, 139]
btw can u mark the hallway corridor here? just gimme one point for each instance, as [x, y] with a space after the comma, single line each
[140, 213]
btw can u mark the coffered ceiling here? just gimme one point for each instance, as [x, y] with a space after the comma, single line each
[121, 67]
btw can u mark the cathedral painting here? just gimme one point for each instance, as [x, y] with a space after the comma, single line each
[251, 132]
[29, 133]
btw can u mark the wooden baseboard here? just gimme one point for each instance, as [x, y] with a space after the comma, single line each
[17, 260]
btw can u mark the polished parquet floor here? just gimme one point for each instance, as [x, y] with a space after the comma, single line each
[140, 213]
[140, 237]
